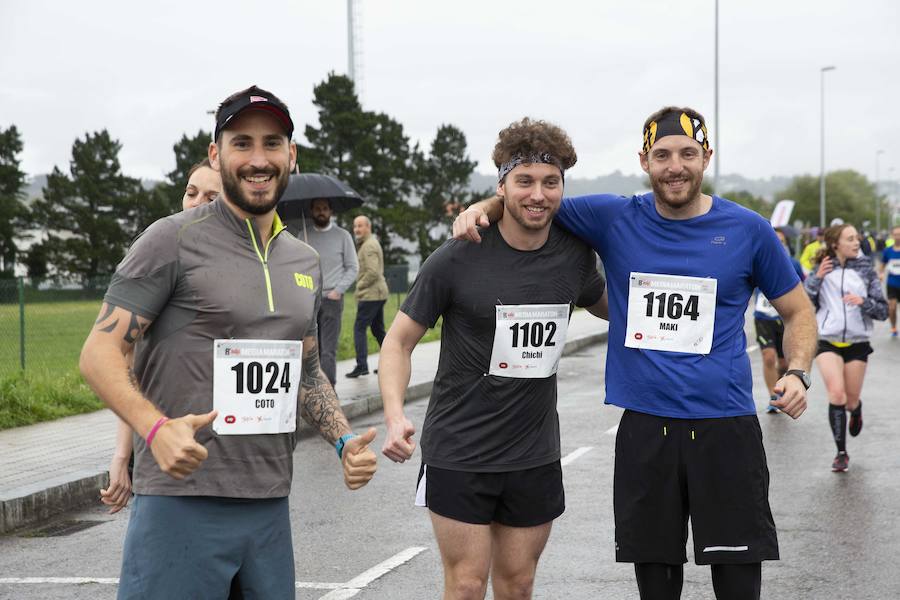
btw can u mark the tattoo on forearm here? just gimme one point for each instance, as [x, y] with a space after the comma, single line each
[136, 324]
[319, 405]
[132, 379]
[109, 310]
[135, 329]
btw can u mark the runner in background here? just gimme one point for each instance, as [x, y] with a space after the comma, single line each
[770, 333]
[890, 272]
[808, 255]
[847, 294]
[204, 185]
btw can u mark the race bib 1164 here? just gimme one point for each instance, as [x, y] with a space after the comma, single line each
[672, 313]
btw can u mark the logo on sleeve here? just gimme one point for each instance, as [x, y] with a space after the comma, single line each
[304, 281]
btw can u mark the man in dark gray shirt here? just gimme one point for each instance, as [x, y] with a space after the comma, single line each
[491, 475]
[221, 301]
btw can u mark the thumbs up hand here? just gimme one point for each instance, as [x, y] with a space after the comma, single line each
[358, 460]
[176, 451]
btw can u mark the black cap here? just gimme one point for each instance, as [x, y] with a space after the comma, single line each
[252, 98]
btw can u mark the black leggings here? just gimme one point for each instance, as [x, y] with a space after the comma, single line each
[657, 581]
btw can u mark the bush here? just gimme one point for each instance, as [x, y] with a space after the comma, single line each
[32, 397]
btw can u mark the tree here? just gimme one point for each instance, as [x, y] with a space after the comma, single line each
[849, 195]
[748, 200]
[188, 152]
[89, 214]
[13, 212]
[370, 152]
[442, 180]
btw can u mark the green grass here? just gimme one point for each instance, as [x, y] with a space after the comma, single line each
[51, 387]
[345, 343]
[27, 398]
[54, 333]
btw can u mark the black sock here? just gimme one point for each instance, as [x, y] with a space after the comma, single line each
[737, 582]
[837, 417]
[855, 412]
[658, 581]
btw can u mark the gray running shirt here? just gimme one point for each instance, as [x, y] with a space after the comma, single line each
[201, 275]
[478, 422]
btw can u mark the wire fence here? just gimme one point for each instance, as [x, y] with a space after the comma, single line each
[44, 322]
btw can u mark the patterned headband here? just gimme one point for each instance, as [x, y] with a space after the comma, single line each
[675, 124]
[528, 159]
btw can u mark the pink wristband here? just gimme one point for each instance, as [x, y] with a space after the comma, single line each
[159, 423]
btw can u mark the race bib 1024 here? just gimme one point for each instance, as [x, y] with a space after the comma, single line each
[255, 386]
[672, 313]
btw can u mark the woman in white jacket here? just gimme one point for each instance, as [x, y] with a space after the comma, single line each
[847, 294]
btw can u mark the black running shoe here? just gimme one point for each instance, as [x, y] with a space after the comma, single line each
[357, 372]
[841, 463]
[856, 423]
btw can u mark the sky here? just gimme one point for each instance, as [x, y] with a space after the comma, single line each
[149, 72]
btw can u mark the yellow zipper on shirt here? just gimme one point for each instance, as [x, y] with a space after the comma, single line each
[277, 227]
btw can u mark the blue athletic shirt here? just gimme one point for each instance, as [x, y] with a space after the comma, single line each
[768, 316]
[891, 253]
[730, 243]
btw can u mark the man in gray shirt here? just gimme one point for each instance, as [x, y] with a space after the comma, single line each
[339, 267]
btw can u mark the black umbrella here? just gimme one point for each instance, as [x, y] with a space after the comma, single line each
[302, 189]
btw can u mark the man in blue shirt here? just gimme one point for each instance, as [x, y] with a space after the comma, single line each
[681, 267]
[890, 270]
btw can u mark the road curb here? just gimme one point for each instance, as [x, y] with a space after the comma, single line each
[28, 506]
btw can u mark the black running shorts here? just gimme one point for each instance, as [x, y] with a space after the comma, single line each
[711, 470]
[770, 334]
[893, 293]
[514, 498]
[857, 351]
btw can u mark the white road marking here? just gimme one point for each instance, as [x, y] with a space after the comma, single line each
[341, 591]
[309, 585]
[356, 585]
[752, 348]
[63, 580]
[575, 454]
[613, 430]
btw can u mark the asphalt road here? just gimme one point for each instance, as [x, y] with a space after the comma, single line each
[839, 533]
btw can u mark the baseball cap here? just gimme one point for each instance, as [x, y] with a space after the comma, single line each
[256, 99]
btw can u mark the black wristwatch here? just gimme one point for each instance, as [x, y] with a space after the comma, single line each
[803, 375]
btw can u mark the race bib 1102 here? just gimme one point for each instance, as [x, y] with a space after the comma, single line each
[529, 340]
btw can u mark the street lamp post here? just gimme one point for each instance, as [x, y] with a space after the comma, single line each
[877, 197]
[718, 127]
[822, 163]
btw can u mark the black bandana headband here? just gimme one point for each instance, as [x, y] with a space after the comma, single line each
[523, 159]
[675, 124]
